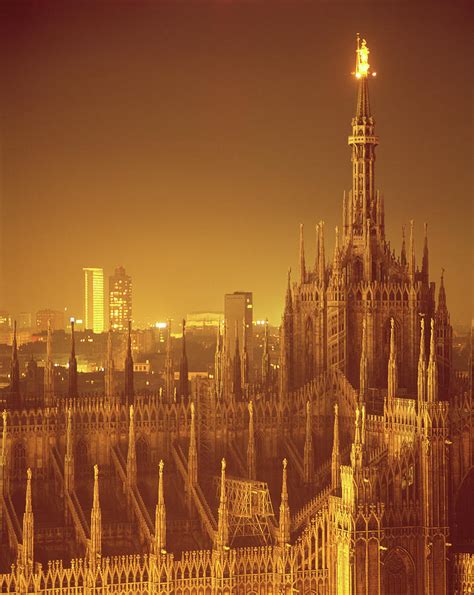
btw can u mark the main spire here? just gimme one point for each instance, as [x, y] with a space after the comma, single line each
[363, 142]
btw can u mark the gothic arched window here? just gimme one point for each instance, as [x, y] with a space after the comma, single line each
[19, 461]
[143, 453]
[398, 573]
[81, 459]
[309, 350]
[358, 270]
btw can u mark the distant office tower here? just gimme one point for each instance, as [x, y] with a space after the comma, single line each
[120, 299]
[5, 326]
[238, 309]
[24, 320]
[55, 317]
[5, 319]
[94, 299]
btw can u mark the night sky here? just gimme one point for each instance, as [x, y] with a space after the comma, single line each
[187, 142]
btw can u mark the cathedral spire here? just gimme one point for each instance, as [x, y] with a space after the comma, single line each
[226, 364]
[421, 382]
[244, 357]
[183, 367]
[302, 259]
[160, 515]
[444, 341]
[392, 364]
[316, 257]
[321, 257]
[3, 457]
[26, 558]
[432, 388]
[218, 363]
[3, 452]
[308, 461]
[363, 142]
[403, 254]
[344, 217]
[223, 519]
[109, 367]
[424, 265]
[14, 396]
[364, 364]
[129, 389]
[357, 445]
[368, 251]
[169, 368]
[237, 368]
[49, 369]
[442, 307]
[192, 451]
[73, 366]
[251, 454]
[69, 455]
[288, 297]
[286, 345]
[336, 455]
[266, 367]
[337, 254]
[95, 544]
[411, 256]
[131, 452]
[284, 524]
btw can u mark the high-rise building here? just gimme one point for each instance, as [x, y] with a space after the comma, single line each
[55, 317]
[120, 299]
[94, 299]
[238, 309]
[24, 320]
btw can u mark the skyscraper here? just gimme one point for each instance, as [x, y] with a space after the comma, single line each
[94, 299]
[238, 310]
[120, 299]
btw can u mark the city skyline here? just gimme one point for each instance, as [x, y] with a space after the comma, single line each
[331, 454]
[283, 153]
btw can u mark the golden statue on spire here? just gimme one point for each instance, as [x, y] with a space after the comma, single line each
[362, 63]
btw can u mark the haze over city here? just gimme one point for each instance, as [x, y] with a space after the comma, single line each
[188, 142]
[224, 368]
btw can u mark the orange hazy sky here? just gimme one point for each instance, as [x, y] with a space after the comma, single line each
[187, 142]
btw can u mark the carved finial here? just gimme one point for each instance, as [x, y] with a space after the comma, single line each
[285, 463]
[223, 465]
[96, 472]
[432, 341]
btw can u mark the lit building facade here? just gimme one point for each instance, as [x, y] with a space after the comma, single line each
[203, 320]
[94, 299]
[120, 299]
[238, 309]
[55, 317]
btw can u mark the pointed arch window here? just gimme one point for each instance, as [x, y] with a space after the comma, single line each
[81, 459]
[143, 453]
[19, 461]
